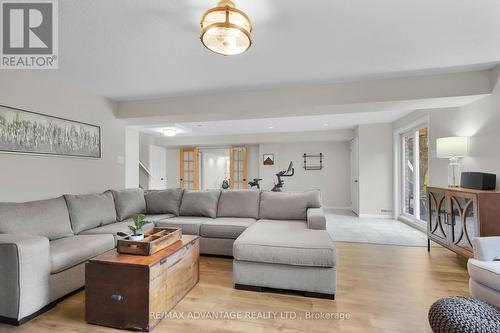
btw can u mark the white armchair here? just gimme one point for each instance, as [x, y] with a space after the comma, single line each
[484, 272]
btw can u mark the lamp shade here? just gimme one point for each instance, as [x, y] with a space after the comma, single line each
[226, 29]
[454, 146]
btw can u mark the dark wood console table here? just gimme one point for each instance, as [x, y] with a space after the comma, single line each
[457, 215]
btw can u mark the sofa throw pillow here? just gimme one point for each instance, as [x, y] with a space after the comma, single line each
[129, 202]
[200, 203]
[164, 201]
[90, 211]
[48, 218]
[239, 204]
[288, 205]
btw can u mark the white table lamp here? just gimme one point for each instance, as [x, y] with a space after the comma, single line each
[453, 148]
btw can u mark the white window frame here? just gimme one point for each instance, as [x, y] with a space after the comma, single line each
[399, 172]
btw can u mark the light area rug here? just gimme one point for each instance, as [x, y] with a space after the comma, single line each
[345, 226]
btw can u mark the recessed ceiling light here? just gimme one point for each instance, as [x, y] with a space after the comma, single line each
[271, 127]
[169, 132]
[325, 124]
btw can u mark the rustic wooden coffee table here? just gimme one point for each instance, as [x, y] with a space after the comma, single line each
[135, 292]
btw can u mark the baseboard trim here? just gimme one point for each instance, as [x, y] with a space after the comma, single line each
[274, 290]
[412, 224]
[337, 207]
[376, 216]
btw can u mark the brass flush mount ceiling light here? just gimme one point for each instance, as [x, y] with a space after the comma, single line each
[226, 29]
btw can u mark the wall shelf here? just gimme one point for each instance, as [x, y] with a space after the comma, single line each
[313, 161]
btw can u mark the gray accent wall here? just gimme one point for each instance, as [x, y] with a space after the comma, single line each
[30, 177]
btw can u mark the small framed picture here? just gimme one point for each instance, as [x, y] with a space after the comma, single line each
[268, 159]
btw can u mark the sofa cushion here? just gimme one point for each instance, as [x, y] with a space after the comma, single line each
[71, 251]
[190, 225]
[129, 202]
[115, 228]
[239, 204]
[90, 210]
[158, 217]
[225, 227]
[164, 201]
[48, 218]
[288, 205]
[200, 203]
[486, 273]
[285, 242]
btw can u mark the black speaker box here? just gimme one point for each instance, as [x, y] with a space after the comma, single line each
[478, 180]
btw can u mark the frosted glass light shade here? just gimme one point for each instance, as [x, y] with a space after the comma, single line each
[169, 132]
[454, 146]
[226, 29]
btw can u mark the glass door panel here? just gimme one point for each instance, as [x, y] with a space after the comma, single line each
[409, 174]
[189, 168]
[415, 173]
[238, 168]
[423, 164]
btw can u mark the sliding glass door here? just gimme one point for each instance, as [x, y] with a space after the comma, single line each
[414, 173]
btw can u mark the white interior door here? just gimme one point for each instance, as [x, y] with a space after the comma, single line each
[355, 176]
[158, 168]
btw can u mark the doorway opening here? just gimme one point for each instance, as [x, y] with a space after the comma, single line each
[213, 168]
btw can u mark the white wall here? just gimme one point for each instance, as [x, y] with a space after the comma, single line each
[375, 169]
[252, 162]
[145, 143]
[131, 158]
[332, 180]
[479, 120]
[29, 177]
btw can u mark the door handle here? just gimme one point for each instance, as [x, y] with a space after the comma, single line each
[356, 181]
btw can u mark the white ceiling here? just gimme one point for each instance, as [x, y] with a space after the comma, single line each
[130, 49]
[285, 124]
[278, 125]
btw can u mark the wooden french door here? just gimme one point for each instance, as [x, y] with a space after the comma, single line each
[238, 168]
[189, 168]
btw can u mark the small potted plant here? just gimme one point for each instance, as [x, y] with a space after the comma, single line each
[139, 222]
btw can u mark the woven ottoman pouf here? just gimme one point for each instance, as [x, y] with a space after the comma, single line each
[463, 315]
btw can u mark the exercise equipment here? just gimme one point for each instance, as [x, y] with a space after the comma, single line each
[255, 183]
[285, 173]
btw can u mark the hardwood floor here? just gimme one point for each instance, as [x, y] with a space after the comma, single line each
[382, 288]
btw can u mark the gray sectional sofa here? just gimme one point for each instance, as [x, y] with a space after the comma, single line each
[278, 240]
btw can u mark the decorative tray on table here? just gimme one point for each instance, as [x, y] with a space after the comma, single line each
[154, 240]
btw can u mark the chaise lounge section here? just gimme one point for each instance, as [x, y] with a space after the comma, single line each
[278, 240]
[288, 248]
